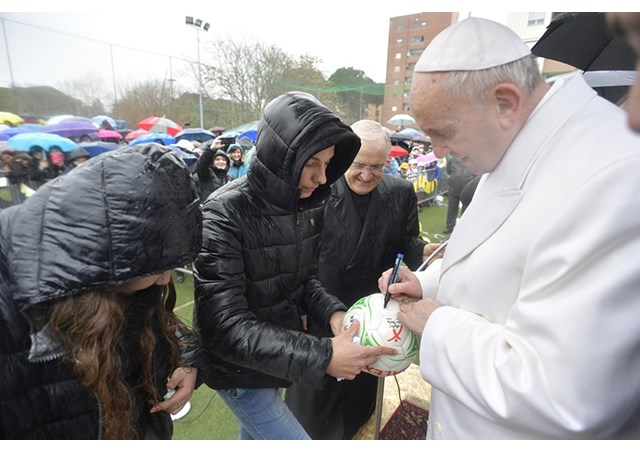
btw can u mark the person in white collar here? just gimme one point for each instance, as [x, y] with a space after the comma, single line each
[528, 323]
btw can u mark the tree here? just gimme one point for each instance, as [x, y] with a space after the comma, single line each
[139, 101]
[89, 88]
[38, 100]
[355, 91]
[249, 75]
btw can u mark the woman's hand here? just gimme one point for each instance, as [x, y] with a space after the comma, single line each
[183, 382]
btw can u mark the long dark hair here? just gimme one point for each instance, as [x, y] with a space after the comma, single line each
[91, 327]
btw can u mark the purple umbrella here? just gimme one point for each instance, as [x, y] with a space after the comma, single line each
[25, 128]
[72, 127]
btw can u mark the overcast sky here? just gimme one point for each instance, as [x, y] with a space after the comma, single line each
[56, 41]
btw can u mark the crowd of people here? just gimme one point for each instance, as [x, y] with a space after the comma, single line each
[526, 319]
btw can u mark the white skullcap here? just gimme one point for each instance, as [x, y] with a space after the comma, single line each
[470, 45]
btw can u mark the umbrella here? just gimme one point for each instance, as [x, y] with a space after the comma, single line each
[401, 119]
[195, 134]
[96, 148]
[110, 136]
[188, 158]
[57, 119]
[10, 119]
[72, 127]
[135, 134]
[427, 158]
[160, 125]
[397, 151]
[23, 129]
[46, 141]
[234, 132]
[165, 139]
[410, 132]
[399, 136]
[217, 130]
[584, 41]
[251, 135]
[100, 119]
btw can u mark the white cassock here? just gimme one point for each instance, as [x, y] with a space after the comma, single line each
[540, 336]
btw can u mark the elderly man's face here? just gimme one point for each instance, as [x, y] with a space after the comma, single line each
[628, 25]
[365, 173]
[470, 132]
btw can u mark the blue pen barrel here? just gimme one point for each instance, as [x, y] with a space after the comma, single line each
[394, 277]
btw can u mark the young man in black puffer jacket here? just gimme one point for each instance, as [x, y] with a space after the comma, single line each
[257, 270]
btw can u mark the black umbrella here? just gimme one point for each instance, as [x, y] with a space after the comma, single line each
[584, 41]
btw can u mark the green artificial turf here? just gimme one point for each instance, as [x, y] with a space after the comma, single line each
[209, 418]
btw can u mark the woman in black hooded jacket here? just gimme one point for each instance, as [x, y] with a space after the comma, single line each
[89, 343]
[257, 270]
[210, 176]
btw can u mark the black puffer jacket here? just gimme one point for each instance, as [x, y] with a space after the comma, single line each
[258, 264]
[121, 216]
[209, 178]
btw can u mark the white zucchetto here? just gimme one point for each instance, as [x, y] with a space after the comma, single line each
[470, 45]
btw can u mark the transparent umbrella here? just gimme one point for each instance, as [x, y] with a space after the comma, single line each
[402, 120]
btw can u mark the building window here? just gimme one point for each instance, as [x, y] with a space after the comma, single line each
[406, 108]
[408, 80]
[535, 19]
[407, 93]
[399, 41]
[396, 82]
[394, 108]
[417, 39]
[410, 66]
[418, 24]
[398, 56]
[396, 69]
[400, 28]
[415, 52]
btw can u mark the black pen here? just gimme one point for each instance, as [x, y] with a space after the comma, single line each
[394, 277]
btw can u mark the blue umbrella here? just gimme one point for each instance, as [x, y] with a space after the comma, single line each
[159, 137]
[188, 158]
[24, 128]
[195, 134]
[95, 148]
[102, 118]
[251, 135]
[46, 141]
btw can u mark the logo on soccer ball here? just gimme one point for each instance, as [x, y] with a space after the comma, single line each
[380, 326]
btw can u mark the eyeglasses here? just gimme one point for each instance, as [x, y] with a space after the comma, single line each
[374, 169]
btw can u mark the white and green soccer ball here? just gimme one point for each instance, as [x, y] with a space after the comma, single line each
[380, 326]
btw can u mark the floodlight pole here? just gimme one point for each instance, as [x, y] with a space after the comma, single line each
[198, 24]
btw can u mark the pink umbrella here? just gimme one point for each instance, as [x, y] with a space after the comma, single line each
[109, 136]
[427, 158]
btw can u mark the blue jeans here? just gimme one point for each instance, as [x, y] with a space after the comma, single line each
[263, 414]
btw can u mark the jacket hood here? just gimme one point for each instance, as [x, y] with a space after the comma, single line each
[223, 154]
[123, 215]
[77, 153]
[293, 128]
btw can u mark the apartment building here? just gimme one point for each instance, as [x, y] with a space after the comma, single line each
[409, 36]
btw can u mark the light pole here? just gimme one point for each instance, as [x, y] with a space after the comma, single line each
[199, 24]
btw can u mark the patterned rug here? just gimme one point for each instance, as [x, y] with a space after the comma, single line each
[408, 422]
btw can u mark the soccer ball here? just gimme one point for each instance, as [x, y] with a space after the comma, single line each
[380, 326]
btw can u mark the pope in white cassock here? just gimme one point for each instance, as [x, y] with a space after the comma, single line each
[529, 324]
